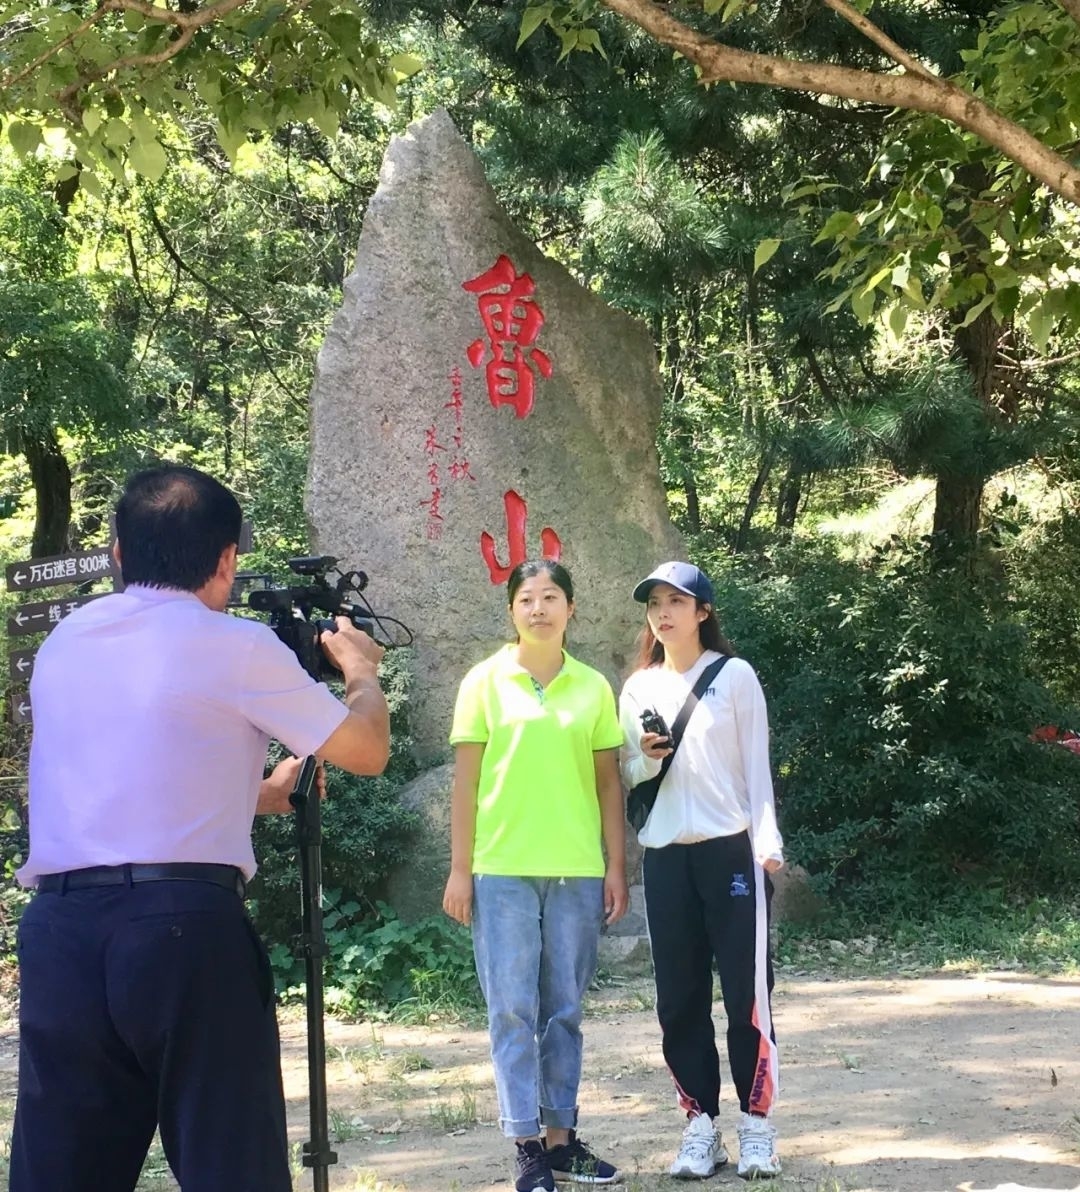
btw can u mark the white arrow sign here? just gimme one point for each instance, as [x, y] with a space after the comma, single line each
[24, 709]
[23, 664]
[19, 576]
[20, 619]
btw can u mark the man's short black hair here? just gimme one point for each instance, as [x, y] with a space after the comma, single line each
[172, 524]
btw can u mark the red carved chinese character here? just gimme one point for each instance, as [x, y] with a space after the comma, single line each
[550, 546]
[459, 469]
[512, 320]
[433, 502]
[431, 444]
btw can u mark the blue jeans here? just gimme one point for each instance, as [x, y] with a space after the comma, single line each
[535, 941]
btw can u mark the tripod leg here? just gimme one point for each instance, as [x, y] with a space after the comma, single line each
[317, 1153]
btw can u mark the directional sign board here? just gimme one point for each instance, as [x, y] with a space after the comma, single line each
[82, 567]
[20, 664]
[44, 615]
[76, 567]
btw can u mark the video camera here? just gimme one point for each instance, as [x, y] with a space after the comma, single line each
[292, 610]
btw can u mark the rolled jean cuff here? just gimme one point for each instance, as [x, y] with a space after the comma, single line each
[529, 1128]
[561, 1119]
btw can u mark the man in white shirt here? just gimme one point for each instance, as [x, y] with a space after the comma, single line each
[146, 996]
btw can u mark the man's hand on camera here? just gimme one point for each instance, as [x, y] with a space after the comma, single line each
[361, 743]
[350, 649]
[280, 783]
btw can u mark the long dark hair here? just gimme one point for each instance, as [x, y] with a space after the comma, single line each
[650, 652]
[523, 571]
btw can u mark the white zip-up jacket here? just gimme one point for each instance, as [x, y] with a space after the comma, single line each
[719, 782]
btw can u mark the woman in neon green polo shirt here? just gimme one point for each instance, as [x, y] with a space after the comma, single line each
[536, 794]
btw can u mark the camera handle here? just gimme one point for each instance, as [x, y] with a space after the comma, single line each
[305, 800]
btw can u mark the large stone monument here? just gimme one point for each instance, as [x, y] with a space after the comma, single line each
[474, 406]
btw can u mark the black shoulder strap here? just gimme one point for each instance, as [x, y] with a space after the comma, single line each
[686, 711]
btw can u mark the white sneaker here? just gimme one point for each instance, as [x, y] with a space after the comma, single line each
[758, 1159]
[702, 1151]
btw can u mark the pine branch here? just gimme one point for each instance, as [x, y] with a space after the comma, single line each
[918, 92]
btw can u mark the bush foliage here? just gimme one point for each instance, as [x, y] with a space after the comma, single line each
[902, 699]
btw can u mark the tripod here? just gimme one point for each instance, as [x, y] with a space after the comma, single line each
[317, 1153]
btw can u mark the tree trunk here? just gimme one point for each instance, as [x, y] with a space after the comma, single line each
[958, 495]
[787, 503]
[51, 477]
[753, 499]
[957, 506]
[673, 366]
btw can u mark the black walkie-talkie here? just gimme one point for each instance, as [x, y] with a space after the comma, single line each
[653, 722]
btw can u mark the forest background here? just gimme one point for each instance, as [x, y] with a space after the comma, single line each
[865, 303]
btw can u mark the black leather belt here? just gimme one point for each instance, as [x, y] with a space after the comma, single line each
[130, 875]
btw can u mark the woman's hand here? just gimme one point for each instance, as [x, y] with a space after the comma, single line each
[457, 898]
[616, 896]
[772, 865]
[654, 745]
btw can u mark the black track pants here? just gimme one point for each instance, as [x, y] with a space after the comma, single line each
[709, 901]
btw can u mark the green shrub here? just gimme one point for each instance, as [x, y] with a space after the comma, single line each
[377, 964]
[1043, 564]
[901, 702]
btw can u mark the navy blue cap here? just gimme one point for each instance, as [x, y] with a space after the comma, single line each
[684, 576]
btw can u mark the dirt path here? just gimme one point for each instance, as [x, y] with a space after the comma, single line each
[926, 1085]
[904, 1085]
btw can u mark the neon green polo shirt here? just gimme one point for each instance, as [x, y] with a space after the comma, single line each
[537, 813]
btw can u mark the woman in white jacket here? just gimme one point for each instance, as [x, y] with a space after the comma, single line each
[711, 841]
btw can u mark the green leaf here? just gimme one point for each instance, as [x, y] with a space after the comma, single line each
[531, 20]
[765, 252]
[231, 137]
[976, 310]
[406, 65]
[838, 224]
[569, 39]
[589, 39]
[1040, 321]
[862, 304]
[148, 159]
[24, 137]
[898, 317]
[117, 133]
[327, 121]
[90, 182]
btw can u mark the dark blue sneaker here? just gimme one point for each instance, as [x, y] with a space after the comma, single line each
[574, 1161]
[532, 1170]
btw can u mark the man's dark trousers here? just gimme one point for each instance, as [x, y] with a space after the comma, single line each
[145, 1005]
